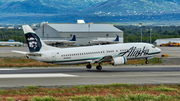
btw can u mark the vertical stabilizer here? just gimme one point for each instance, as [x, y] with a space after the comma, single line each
[35, 44]
[74, 38]
[117, 38]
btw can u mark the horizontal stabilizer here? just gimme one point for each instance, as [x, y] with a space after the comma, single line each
[21, 52]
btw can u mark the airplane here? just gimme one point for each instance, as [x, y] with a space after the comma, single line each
[105, 41]
[10, 42]
[116, 54]
[55, 42]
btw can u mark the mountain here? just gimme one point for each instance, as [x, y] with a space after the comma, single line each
[97, 11]
[131, 7]
[75, 4]
[31, 6]
[70, 4]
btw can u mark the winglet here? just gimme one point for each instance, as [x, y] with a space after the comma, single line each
[73, 38]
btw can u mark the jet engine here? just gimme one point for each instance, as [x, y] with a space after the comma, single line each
[119, 61]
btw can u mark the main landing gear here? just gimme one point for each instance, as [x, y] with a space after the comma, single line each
[98, 67]
[147, 61]
[88, 66]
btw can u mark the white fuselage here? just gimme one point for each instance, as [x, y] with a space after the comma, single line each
[88, 54]
[103, 42]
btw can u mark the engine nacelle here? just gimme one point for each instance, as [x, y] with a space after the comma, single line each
[119, 61]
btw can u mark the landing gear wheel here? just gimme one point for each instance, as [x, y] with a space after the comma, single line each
[88, 66]
[147, 61]
[98, 67]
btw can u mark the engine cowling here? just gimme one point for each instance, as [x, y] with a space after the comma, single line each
[119, 61]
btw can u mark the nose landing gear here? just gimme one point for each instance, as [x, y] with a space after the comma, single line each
[147, 62]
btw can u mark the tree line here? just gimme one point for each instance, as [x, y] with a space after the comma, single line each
[133, 33]
[16, 34]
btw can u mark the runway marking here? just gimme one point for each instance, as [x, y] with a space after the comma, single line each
[35, 75]
[8, 69]
[149, 75]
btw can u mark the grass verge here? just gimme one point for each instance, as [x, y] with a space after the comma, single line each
[111, 92]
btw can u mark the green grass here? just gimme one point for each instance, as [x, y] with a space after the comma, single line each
[111, 92]
[167, 89]
[45, 98]
[155, 61]
[109, 97]
[142, 61]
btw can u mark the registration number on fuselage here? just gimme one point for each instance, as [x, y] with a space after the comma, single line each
[67, 57]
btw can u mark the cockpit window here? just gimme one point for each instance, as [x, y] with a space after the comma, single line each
[153, 47]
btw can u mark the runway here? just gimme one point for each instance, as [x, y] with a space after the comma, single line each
[168, 72]
[79, 75]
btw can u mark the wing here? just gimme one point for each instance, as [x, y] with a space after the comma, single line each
[58, 42]
[117, 60]
[98, 42]
[103, 59]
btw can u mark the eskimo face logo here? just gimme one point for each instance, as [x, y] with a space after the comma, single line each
[32, 42]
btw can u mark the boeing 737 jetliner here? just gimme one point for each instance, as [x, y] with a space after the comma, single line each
[116, 54]
[105, 41]
[55, 42]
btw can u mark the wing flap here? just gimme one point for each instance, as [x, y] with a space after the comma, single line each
[104, 59]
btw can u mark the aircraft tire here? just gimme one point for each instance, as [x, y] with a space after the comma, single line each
[88, 66]
[98, 67]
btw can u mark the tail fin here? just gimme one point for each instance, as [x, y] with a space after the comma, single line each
[117, 38]
[35, 44]
[73, 38]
